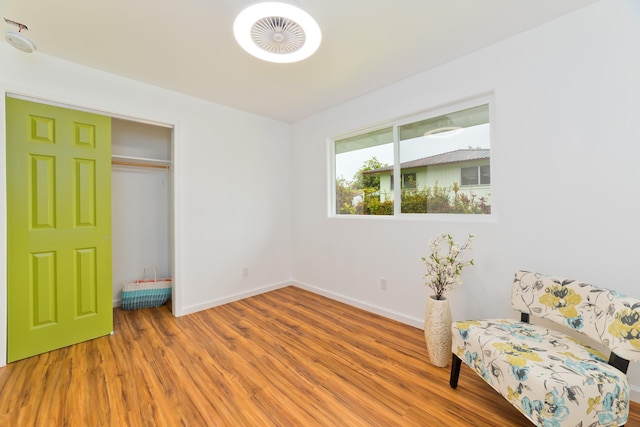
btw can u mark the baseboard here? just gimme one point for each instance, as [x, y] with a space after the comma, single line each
[213, 303]
[408, 320]
[231, 298]
[400, 317]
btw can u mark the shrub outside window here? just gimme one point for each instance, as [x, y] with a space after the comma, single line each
[444, 161]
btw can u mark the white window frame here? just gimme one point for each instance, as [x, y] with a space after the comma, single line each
[487, 98]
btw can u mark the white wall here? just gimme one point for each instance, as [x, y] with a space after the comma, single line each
[231, 178]
[564, 163]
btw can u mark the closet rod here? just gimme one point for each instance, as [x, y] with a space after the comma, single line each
[139, 165]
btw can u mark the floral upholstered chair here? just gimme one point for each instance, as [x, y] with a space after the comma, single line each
[553, 378]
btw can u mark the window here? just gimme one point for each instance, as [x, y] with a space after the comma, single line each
[475, 175]
[444, 162]
[469, 176]
[485, 174]
[409, 180]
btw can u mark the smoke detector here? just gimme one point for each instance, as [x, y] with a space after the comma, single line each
[20, 41]
[17, 39]
[277, 32]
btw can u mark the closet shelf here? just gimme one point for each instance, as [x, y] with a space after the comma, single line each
[140, 162]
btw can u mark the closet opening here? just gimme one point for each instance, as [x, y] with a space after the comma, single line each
[141, 202]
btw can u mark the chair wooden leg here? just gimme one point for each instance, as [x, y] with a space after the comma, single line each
[455, 370]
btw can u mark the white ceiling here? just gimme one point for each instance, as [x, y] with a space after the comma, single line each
[188, 45]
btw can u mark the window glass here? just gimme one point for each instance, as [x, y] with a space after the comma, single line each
[409, 180]
[485, 174]
[469, 176]
[444, 165]
[447, 155]
[358, 190]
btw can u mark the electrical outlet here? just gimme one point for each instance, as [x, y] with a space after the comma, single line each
[383, 284]
[245, 271]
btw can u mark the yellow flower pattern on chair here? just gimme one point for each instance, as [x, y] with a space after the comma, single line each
[626, 325]
[517, 355]
[563, 299]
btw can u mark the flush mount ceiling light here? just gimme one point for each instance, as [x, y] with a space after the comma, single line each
[277, 32]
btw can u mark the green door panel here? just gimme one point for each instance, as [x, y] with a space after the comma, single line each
[58, 227]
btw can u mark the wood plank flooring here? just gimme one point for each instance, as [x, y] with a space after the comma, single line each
[284, 358]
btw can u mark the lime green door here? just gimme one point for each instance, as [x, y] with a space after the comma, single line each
[58, 227]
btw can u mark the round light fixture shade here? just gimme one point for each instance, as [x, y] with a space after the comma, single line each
[277, 32]
[20, 41]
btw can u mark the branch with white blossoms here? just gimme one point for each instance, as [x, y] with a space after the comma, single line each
[444, 269]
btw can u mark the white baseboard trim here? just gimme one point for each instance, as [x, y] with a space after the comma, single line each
[400, 317]
[231, 298]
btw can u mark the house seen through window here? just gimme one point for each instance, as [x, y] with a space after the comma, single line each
[444, 164]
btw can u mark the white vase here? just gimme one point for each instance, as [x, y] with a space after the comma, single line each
[437, 331]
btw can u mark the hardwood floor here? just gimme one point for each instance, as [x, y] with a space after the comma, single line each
[284, 358]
